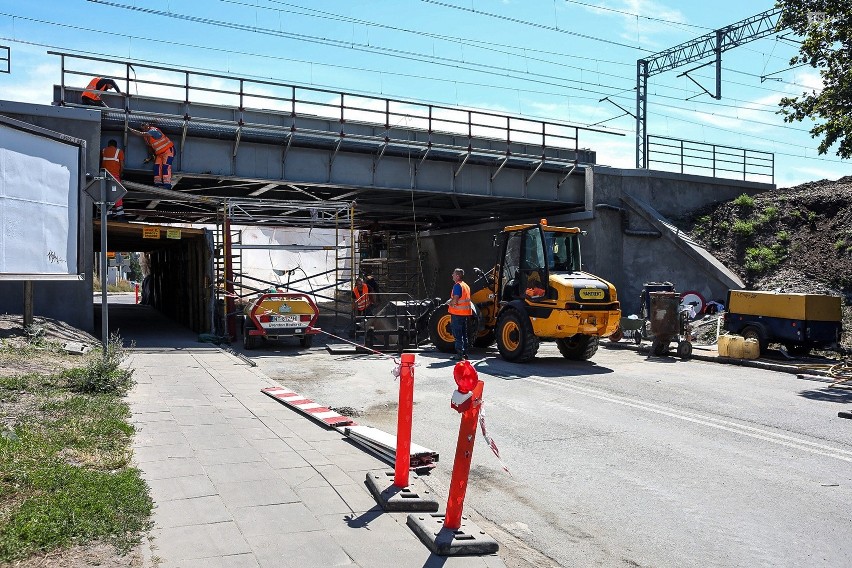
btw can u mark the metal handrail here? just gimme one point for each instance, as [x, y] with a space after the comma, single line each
[691, 154]
[470, 124]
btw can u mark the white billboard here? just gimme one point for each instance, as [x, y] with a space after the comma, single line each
[40, 178]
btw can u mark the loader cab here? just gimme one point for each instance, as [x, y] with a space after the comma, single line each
[529, 254]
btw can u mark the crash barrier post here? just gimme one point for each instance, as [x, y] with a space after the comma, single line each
[401, 490]
[452, 534]
[404, 420]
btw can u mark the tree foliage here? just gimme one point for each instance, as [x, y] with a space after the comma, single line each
[826, 26]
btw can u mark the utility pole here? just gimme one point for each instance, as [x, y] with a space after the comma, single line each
[713, 43]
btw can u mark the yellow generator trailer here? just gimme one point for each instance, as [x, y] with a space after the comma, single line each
[536, 290]
[800, 322]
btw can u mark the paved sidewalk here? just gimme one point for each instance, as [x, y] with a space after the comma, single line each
[239, 480]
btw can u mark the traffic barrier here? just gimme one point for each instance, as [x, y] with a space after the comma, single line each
[137, 293]
[452, 534]
[406, 492]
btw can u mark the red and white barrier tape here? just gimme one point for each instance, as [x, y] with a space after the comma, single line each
[489, 440]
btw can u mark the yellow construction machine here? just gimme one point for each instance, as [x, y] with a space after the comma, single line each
[536, 291]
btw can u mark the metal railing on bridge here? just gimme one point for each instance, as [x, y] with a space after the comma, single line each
[482, 131]
[689, 156]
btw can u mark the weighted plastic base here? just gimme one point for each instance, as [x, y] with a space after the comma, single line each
[468, 539]
[845, 414]
[415, 497]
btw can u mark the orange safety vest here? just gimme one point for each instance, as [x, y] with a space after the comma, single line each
[160, 145]
[92, 91]
[112, 161]
[362, 299]
[462, 308]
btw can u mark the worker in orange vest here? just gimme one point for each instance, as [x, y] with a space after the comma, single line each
[361, 297]
[164, 153]
[92, 95]
[112, 160]
[460, 312]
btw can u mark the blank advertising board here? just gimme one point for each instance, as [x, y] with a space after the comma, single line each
[40, 179]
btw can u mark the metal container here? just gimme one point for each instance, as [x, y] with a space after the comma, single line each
[664, 314]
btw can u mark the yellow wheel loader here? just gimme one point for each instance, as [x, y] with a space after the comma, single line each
[536, 291]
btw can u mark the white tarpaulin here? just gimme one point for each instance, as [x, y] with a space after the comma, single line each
[39, 179]
[263, 263]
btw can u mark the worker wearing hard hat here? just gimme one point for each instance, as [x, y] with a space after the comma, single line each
[164, 153]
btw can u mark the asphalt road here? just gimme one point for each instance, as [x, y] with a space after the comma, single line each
[626, 460]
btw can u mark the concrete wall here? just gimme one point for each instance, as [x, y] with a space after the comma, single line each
[67, 301]
[649, 250]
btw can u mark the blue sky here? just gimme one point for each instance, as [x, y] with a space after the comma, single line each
[547, 59]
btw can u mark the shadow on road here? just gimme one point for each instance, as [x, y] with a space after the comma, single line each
[828, 395]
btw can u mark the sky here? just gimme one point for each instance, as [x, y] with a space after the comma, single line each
[562, 61]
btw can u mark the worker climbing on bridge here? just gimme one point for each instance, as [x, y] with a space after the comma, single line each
[112, 160]
[92, 95]
[164, 153]
[460, 312]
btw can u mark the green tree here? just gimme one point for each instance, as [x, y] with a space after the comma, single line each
[826, 26]
[135, 267]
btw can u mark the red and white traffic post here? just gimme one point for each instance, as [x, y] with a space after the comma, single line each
[452, 534]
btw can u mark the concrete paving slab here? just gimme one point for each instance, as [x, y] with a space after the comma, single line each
[220, 456]
[275, 520]
[230, 561]
[172, 467]
[195, 511]
[143, 454]
[302, 550]
[181, 487]
[238, 494]
[285, 460]
[322, 500]
[301, 476]
[250, 471]
[314, 458]
[199, 541]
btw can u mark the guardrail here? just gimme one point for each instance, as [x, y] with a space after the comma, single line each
[294, 100]
[689, 156]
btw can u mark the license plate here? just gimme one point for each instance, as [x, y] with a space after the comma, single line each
[285, 318]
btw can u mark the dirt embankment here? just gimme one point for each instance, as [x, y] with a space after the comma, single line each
[796, 239]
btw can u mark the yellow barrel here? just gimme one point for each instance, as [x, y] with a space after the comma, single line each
[735, 347]
[724, 341]
[751, 349]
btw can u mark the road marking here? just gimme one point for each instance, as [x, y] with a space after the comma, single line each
[742, 429]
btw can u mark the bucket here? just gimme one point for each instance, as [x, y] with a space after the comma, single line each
[724, 341]
[751, 348]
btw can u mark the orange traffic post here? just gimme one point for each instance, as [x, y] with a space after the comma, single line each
[403, 420]
[467, 400]
[137, 293]
[452, 534]
[401, 490]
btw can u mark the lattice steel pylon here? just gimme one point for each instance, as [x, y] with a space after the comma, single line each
[713, 43]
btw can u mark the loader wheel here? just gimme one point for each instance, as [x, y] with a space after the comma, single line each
[306, 341]
[578, 347]
[440, 332]
[485, 339]
[249, 341]
[754, 332]
[515, 338]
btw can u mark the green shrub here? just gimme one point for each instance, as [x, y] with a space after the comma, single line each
[761, 259]
[103, 372]
[744, 201]
[769, 214]
[724, 225]
[743, 228]
[782, 236]
[839, 244]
